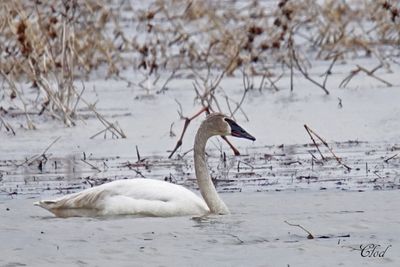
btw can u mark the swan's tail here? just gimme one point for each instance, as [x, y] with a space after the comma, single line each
[56, 207]
[46, 204]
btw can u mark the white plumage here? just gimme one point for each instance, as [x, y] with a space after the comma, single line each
[142, 197]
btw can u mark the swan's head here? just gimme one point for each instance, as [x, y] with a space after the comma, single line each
[220, 124]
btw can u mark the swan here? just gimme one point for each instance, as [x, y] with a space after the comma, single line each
[149, 197]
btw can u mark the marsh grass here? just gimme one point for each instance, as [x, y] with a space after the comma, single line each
[55, 45]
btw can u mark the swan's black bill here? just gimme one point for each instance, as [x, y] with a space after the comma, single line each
[238, 131]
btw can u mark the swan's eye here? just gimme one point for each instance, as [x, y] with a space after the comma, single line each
[231, 122]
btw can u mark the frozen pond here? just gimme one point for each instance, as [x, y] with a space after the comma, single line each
[254, 235]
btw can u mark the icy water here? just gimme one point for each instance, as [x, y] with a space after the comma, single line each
[363, 166]
[342, 208]
[255, 234]
[266, 186]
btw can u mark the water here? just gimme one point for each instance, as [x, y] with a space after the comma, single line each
[255, 234]
[266, 186]
[373, 166]
[263, 188]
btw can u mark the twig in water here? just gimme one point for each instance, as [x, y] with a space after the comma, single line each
[329, 71]
[273, 82]
[228, 101]
[315, 143]
[79, 96]
[392, 157]
[340, 105]
[171, 132]
[7, 126]
[368, 72]
[184, 154]
[310, 236]
[187, 122]
[237, 238]
[310, 131]
[91, 165]
[306, 75]
[164, 87]
[180, 111]
[138, 155]
[376, 173]
[245, 163]
[98, 133]
[139, 173]
[112, 127]
[35, 157]
[262, 82]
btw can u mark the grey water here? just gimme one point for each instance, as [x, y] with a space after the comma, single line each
[255, 234]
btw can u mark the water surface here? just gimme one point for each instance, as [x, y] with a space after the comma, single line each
[255, 234]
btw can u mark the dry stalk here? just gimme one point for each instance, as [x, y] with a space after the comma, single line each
[370, 73]
[51, 44]
[390, 158]
[312, 133]
[187, 122]
[35, 157]
[6, 125]
[329, 70]
[273, 83]
[315, 143]
[47, 44]
[305, 74]
[309, 236]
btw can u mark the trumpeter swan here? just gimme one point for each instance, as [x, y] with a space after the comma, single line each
[148, 197]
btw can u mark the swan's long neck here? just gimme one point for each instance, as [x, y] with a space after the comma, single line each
[207, 188]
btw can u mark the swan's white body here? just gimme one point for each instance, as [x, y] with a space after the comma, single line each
[148, 197]
[142, 197]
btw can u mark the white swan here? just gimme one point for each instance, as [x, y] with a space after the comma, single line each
[148, 197]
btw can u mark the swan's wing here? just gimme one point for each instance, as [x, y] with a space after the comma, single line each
[144, 197]
[90, 198]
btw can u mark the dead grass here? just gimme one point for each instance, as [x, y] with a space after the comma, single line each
[54, 45]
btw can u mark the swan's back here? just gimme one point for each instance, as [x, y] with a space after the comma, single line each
[142, 197]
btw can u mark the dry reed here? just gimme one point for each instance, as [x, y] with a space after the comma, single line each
[52, 45]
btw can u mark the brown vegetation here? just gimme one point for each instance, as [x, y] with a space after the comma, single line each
[53, 45]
